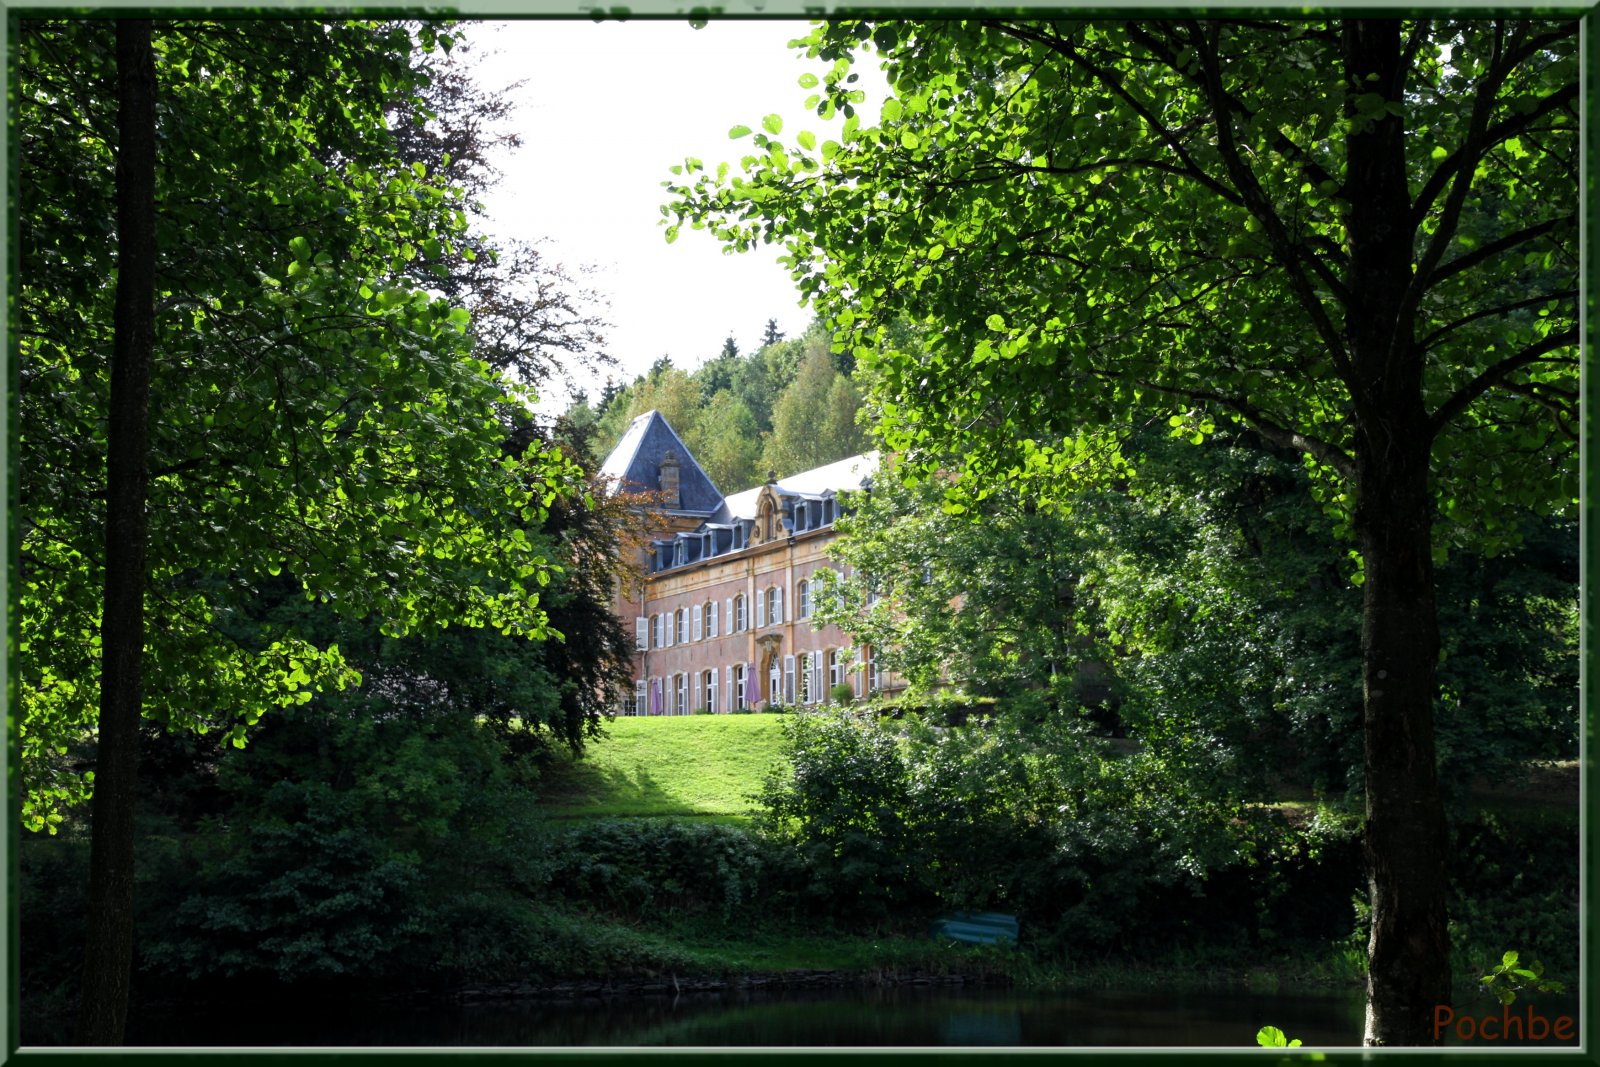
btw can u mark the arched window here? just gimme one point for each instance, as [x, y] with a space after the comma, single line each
[775, 683]
[740, 615]
[710, 679]
[775, 605]
[683, 626]
[656, 639]
[683, 694]
[835, 668]
[711, 619]
[803, 595]
[805, 678]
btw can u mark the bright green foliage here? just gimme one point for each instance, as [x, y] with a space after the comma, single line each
[1510, 977]
[1101, 221]
[728, 445]
[1213, 590]
[314, 413]
[985, 605]
[1272, 1037]
[788, 406]
[813, 421]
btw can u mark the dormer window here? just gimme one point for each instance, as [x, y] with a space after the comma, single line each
[799, 517]
[680, 552]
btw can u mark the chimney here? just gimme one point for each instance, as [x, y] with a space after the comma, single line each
[669, 480]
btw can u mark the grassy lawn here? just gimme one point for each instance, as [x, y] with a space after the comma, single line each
[690, 765]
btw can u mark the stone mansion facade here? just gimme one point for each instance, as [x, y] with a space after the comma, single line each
[723, 614]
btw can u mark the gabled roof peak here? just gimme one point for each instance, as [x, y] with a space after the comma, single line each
[647, 443]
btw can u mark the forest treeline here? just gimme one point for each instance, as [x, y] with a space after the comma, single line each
[788, 406]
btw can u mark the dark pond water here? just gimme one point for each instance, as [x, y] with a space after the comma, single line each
[898, 1017]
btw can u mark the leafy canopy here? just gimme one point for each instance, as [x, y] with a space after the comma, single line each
[315, 412]
[1098, 219]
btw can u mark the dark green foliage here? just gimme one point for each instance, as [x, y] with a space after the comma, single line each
[1515, 882]
[341, 843]
[1096, 847]
[659, 867]
[843, 803]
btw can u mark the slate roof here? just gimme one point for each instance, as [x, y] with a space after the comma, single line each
[636, 460]
[846, 474]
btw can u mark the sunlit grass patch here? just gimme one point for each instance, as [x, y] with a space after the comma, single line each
[685, 766]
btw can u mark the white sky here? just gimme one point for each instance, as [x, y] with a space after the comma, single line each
[605, 110]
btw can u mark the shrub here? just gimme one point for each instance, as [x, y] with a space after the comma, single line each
[842, 803]
[665, 866]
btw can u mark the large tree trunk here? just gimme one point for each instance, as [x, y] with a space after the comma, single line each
[1405, 840]
[108, 947]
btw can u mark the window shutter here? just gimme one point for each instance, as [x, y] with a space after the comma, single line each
[711, 619]
[668, 625]
[729, 606]
[695, 624]
[777, 605]
[711, 691]
[641, 633]
[788, 679]
[761, 610]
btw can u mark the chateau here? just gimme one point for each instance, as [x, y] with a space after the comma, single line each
[723, 615]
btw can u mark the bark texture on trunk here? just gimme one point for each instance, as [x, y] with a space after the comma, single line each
[1405, 839]
[108, 946]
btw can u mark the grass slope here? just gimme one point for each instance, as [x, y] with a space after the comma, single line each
[690, 765]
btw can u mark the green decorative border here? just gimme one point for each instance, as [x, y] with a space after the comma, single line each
[809, 9]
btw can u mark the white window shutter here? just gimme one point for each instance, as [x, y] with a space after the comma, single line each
[712, 691]
[777, 606]
[698, 634]
[641, 633]
[788, 679]
[761, 610]
[711, 619]
[668, 625]
[728, 604]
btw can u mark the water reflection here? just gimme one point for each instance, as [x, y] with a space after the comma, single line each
[839, 1018]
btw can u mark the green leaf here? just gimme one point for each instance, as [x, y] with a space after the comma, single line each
[773, 123]
[738, 132]
[1271, 1037]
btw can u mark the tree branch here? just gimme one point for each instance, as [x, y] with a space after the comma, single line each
[1288, 437]
[1483, 313]
[1495, 375]
[1494, 248]
[1285, 249]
